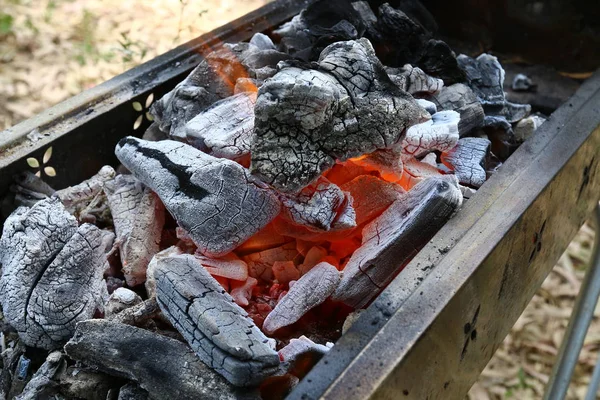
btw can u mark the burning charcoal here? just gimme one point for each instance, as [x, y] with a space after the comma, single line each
[395, 236]
[522, 83]
[300, 346]
[320, 207]
[75, 196]
[241, 292]
[150, 283]
[215, 200]
[285, 271]
[51, 272]
[306, 119]
[371, 196]
[278, 387]
[440, 133]
[266, 238]
[164, 367]
[120, 300]
[308, 292]
[219, 331]
[44, 382]
[527, 126]
[230, 266]
[414, 80]
[132, 391]
[260, 264]
[225, 129]
[460, 98]
[313, 256]
[416, 171]
[468, 160]
[139, 218]
[387, 163]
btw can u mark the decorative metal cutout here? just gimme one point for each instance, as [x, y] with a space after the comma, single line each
[48, 170]
[144, 110]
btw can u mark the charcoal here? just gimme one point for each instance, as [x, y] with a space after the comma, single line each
[262, 41]
[305, 120]
[429, 106]
[515, 112]
[225, 129]
[498, 123]
[522, 83]
[260, 263]
[84, 383]
[215, 200]
[527, 126]
[309, 291]
[51, 272]
[120, 300]
[320, 207]
[440, 61]
[241, 292]
[395, 236]
[164, 367]
[138, 218]
[387, 162]
[468, 160]
[28, 189]
[45, 382]
[297, 347]
[440, 133]
[462, 99]
[416, 171]
[219, 331]
[81, 194]
[131, 391]
[154, 134]
[230, 267]
[138, 314]
[150, 283]
[413, 80]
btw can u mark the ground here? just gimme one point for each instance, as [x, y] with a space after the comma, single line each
[53, 49]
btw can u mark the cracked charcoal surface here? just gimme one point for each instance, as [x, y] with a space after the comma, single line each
[75, 196]
[312, 289]
[468, 160]
[462, 99]
[139, 218]
[215, 200]
[306, 119]
[440, 133]
[219, 331]
[320, 207]
[414, 80]
[51, 272]
[225, 130]
[164, 367]
[395, 236]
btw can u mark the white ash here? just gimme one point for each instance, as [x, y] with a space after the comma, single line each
[468, 161]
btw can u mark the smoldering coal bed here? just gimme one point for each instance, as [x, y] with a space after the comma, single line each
[282, 185]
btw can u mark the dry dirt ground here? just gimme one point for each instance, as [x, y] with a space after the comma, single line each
[53, 49]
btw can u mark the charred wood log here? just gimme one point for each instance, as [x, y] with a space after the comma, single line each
[138, 218]
[468, 160]
[164, 367]
[305, 120]
[309, 291]
[395, 236]
[219, 331]
[51, 272]
[215, 200]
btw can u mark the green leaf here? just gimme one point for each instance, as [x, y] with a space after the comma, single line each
[6, 23]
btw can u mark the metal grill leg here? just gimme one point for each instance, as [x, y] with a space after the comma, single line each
[579, 323]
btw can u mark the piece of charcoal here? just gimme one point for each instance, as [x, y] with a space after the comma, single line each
[51, 272]
[164, 367]
[138, 314]
[79, 382]
[225, 129]
[527, 126]
[215, 200]
[429, 106]
[522, 83]
[138, 218]
[440, 133]
[440, 61]
[28, 189]
[395, 236]
[150, 283]
[386, 162]
[131, 391]
[120, 300]
[416, 171]
[230, 266]
[468, 160]
[413, 80]
[45, 382]
[309, 291]
[320, 207]
[219, 331]
[462, 99]
[74, 197]
[260, 263]
[305, 120]
[262, 41]
[297, 347]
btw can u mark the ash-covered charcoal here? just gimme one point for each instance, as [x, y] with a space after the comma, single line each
[215, 200]
[131, 391]
[46, 380]
[139, 314]
[219, 331]
[51, 272]
[150, 283]
[416, 171]
[387, 162]
[76, 198]
[522, 83]
[229, 266]
[413, 80]
[302, 345]
[527, 126]
[320, 207]
[395, 236]
[260, 263]
[225, 129]
[312, 289]
[164, 367]
[305, 120]
[468, 160]
[440, 133]
[28, 189]
[462, 99]
[138, 218]
[120, 300]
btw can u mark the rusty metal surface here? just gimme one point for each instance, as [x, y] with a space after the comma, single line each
[84, 129]
[433, 330]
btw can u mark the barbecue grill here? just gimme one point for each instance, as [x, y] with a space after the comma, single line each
[435, 327]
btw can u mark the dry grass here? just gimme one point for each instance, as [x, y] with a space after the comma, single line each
[53, 49]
